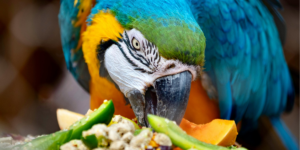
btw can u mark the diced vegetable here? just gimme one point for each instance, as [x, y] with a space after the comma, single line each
[178, 136]
[114, 122]
[96, 136]
[90, 141]
[74, 145]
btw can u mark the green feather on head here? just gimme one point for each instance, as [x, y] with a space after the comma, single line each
[169, 25]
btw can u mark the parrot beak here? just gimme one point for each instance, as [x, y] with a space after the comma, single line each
[168, 98]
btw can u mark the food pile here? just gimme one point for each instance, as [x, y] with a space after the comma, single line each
[120, 135]
[101, 130]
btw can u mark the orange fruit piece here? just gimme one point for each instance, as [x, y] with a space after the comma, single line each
[218, 132]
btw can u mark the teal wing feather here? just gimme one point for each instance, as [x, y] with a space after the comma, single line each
[70, 36]
[244, 58]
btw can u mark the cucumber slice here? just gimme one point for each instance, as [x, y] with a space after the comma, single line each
[179, 137]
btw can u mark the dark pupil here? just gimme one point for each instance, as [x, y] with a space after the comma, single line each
[136, 44]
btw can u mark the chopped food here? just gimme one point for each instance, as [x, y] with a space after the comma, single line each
[118, 145]
[74, 145]
[100, 130]
[119, 118]
[142, 139]
[162, 139]
[103, 114]
[53, 141]
[97, 136]
[127, 137]
[120, 136]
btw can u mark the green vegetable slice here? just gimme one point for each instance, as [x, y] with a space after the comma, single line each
[179, 137]
[53, 141]
[103, 114]
[47, 142]
[90, 141]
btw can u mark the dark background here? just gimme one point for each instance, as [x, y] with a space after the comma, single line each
[34, 81]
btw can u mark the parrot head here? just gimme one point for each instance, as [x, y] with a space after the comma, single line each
[150, 51]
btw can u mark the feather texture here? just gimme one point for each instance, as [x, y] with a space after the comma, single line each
[72, 22]
[244, 58]
[243, 54]
[168, 24]
[244, 50]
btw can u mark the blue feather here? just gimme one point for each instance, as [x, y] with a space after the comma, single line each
[70, 36]
[244, 56]
[249, 62]
[284, 134]
[225, 99]
[255, 108]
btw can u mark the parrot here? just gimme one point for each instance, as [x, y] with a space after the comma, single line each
[193, 59]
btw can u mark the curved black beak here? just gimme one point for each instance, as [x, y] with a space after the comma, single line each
[168, 98]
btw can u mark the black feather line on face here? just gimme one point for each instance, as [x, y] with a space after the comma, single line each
[131, 62]
[150, 50]
[147, 61]
[104, 45]
[143, 70]
[101, 48]
[156, 55]
[121, 49]
[158, 59]
[144, 47]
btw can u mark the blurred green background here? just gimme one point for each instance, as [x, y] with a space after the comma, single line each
[34, 81]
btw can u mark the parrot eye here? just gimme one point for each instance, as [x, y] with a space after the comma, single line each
[136, 44]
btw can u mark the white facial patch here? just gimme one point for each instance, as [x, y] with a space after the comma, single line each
[135, 63]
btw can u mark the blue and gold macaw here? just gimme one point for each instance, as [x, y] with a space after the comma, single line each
[172, 57]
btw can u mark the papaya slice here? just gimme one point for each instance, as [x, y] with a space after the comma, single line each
[66, 118]
[218, 132]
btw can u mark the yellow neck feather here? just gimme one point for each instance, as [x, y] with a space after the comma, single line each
[104, 26]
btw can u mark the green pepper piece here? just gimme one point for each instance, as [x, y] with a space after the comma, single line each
[103, 114]
[178, 136]
[46, 142]
[53, 141]
[90, 141]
